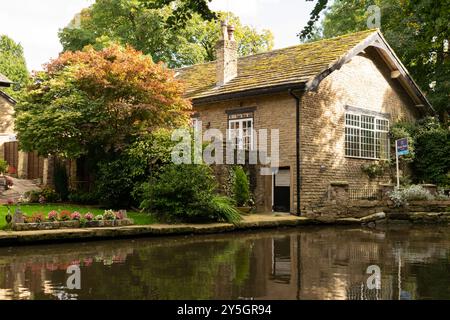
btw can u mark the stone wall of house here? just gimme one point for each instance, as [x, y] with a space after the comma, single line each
[364, 82]
[6, 116]
[271, 112]
[6, 122]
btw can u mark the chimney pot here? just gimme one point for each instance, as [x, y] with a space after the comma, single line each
[231, 30]
[224, 28]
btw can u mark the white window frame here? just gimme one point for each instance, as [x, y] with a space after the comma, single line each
[375, 132]
[240, 145]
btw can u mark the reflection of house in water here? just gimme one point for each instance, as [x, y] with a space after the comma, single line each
[310, 263]
[281, 260]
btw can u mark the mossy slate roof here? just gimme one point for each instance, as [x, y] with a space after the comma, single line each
[292, 65]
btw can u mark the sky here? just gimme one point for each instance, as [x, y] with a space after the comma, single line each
[35, 24]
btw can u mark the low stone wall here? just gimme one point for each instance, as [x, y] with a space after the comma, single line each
[71, 225]
[338, 204]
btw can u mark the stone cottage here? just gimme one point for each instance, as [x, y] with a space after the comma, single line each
[333, 102]
[26, 165]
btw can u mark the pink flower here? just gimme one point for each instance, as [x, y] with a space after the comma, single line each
[89, 216]
[53, 215]
[75, 216]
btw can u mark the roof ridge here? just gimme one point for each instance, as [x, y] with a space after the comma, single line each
[368, 31]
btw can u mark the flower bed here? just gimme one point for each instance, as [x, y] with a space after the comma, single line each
[70, 220]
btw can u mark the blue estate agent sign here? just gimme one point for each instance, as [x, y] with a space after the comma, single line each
[402, 147]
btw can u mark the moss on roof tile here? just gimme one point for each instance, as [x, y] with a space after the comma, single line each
[295, 64]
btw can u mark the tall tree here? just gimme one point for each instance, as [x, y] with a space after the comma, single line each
[97, 102]
[416, 29]
[12, 64]
[145, 28]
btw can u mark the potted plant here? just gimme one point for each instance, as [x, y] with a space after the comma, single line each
[109, 218]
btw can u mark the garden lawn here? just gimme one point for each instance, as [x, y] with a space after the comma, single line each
[29, 209]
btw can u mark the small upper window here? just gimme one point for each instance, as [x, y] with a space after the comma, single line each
[240, 130]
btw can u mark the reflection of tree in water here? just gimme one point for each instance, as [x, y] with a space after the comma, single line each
[190, 271]
[142, 270]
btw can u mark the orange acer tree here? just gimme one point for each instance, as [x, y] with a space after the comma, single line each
[94, 102]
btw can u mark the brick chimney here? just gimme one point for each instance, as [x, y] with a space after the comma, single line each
[227, 55]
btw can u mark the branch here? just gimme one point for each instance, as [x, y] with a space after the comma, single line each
[314, 17]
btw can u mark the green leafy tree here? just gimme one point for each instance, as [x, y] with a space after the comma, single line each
[12, 64]
[128, 22]
[416, 29]
[95, 102]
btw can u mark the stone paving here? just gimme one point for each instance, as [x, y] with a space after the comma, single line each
[19, 187]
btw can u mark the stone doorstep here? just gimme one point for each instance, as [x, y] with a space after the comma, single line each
[70, 225]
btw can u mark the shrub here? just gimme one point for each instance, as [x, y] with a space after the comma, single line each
[119, 178]
[49, 195]
[114, 183]
[185, 193]
[416, 192]
[64, 215]
[400, 197]
[81, 197]
[3, 166]
[52, 216]
[241, 187]
[432, 162]
[225, 209]
[61, 181]
[33, 196]
[374, 170]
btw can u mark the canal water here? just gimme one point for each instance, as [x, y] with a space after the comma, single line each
[308, 263]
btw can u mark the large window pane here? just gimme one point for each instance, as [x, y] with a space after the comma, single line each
[366, 137]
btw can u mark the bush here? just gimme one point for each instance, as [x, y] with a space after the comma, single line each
[49, 195]
[375, 169]
[3, 166]
[120, 177]
[115, 183]
[61, 182]
[400, 197]
[432, 162]
[429, 143]
[186, 193]
[81, 197]
[33, 196]
[241, 187]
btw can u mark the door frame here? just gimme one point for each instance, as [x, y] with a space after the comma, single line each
[290, 187]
